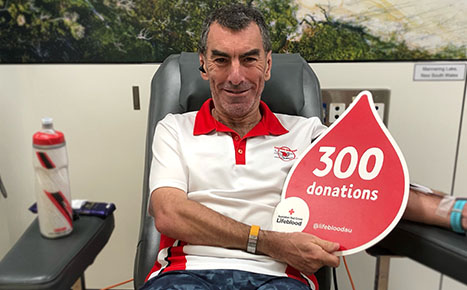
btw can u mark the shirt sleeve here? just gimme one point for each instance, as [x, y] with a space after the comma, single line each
[317, 128]
[168, 168]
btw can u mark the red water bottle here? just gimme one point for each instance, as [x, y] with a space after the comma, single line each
[52, 186]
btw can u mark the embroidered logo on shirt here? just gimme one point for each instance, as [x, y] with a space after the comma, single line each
[284, 153]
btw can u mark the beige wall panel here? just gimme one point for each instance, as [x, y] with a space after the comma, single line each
[451, 284]
[93, 106]
[460, 188]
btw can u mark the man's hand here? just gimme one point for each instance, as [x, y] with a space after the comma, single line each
[304, 252]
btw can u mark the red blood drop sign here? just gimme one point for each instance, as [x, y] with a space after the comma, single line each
[350, 186]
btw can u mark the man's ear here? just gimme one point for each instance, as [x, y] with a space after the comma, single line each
[267, 72]
[202, 67]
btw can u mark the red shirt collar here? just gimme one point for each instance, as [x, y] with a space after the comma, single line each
[269, 124]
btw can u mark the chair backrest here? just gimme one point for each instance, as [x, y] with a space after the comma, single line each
[177, 87]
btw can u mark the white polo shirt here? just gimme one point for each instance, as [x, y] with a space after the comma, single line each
[241, 178]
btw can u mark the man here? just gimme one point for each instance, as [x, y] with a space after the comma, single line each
[214, 186]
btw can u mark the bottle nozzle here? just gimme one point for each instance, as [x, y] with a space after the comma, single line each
[47, 123]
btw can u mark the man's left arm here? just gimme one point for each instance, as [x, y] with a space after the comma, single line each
[425, 208]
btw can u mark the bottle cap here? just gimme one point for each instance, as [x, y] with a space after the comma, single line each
[47, 123]
[48, 136]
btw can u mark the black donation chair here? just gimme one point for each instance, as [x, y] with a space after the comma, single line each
[177, 87]
[38, 263]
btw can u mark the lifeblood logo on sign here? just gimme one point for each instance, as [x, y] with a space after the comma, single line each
[350, 186]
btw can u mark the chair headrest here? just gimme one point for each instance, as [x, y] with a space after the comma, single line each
[283, 93]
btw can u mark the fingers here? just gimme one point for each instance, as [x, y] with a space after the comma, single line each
[302, 251]
[318, 259]
[330, 260]
[327, 256]
[321, 253]
[328, 246]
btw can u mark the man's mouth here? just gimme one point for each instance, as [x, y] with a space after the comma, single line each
[236, 92]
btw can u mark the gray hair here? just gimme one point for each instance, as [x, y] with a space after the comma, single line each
[235, 17]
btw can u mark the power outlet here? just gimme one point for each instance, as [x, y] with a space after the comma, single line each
[380, 109]
[336, 101]
[335, 111]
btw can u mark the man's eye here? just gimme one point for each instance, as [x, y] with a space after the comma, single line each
[250, 59]
[220, 60]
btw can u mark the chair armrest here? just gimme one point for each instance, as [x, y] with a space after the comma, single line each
[437, 248]
[38, 263]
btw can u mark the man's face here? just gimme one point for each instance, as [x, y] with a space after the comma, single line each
[236, 66]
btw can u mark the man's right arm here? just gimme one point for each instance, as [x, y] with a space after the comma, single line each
[180, 218]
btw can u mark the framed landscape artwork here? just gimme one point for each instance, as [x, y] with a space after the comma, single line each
[131, 31]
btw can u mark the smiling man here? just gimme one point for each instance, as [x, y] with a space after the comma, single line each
[237, 66]
[215, 184]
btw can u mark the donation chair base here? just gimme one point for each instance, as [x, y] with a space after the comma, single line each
[38, 263]
[439, 249]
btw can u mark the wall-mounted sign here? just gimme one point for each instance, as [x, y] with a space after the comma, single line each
[439, 72]
[350, 186]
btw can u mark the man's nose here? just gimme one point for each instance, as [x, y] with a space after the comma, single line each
[236, 74]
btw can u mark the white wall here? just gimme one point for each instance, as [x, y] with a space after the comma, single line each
[460, 186]
[92, 105]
